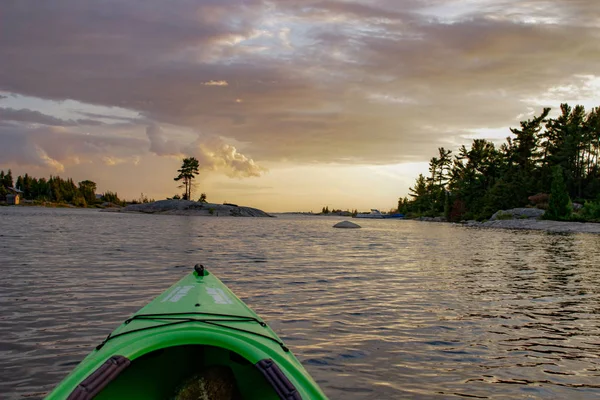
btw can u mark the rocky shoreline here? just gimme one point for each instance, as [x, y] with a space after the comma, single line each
[526, 219]
[186, 207]
[540, 225]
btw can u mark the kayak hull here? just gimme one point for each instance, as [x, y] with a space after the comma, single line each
[196, 327]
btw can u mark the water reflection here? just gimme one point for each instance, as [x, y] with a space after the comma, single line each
[397, 309]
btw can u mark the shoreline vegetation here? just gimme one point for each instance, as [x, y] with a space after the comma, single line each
[63, 193]
[551, 166]
[57, 192]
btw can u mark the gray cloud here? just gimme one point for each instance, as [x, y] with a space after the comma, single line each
[159, 145]
[97, 116]
[382, 82]
[36, 117]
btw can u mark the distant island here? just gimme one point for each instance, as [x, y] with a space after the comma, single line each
[188, 207]
[55, 192]
[59, 192]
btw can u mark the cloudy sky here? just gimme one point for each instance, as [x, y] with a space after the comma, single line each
[288, 104]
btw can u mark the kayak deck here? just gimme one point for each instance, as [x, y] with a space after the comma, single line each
[197, 334]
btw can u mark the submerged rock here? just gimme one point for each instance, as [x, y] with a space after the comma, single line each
[346, 225]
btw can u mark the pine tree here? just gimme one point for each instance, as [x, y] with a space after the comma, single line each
[8, 179]
[187, 173]
[559, 206]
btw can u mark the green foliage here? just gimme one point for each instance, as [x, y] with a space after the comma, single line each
[590, 211]
[143, 199]
[55, 190]
[7, 179]
[559, 205]
[202, 198]
[88, 190]
[177, 197]
[325, 210]
[502, 195]
[111, 197]
[421, 195]
[478, 181]
[403, 205]
[187, 173]
[504, 216]
[79, 200]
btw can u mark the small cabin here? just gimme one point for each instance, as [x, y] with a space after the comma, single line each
[13, 199]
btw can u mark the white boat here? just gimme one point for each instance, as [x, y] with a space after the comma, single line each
[375, 214]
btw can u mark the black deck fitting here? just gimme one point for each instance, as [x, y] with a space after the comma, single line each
[199, 268]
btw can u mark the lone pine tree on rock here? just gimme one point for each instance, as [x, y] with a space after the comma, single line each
[187, 173]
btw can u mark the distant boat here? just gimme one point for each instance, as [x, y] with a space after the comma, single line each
[374, 214]
[393, 216]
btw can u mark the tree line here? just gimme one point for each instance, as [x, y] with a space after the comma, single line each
[480, 180]
[83, 194]
[55, 189]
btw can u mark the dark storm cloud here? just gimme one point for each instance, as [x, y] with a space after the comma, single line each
[306, 81]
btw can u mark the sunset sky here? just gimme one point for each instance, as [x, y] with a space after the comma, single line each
[289, 105]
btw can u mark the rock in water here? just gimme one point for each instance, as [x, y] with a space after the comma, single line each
[346, 225]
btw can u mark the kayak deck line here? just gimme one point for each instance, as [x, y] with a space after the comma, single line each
[179, 319]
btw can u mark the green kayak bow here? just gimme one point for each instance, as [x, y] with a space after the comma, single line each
[197, 340]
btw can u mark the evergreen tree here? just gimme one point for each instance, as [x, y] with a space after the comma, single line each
[482, 179]
[527, 141]
[8, 179]
[87, 189]
[111, 197]
[420, 195]
[187, 173]
[559, 206]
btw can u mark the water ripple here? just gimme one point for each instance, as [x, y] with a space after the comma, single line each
[398, 309]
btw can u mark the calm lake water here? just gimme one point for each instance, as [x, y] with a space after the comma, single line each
[396, 310]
